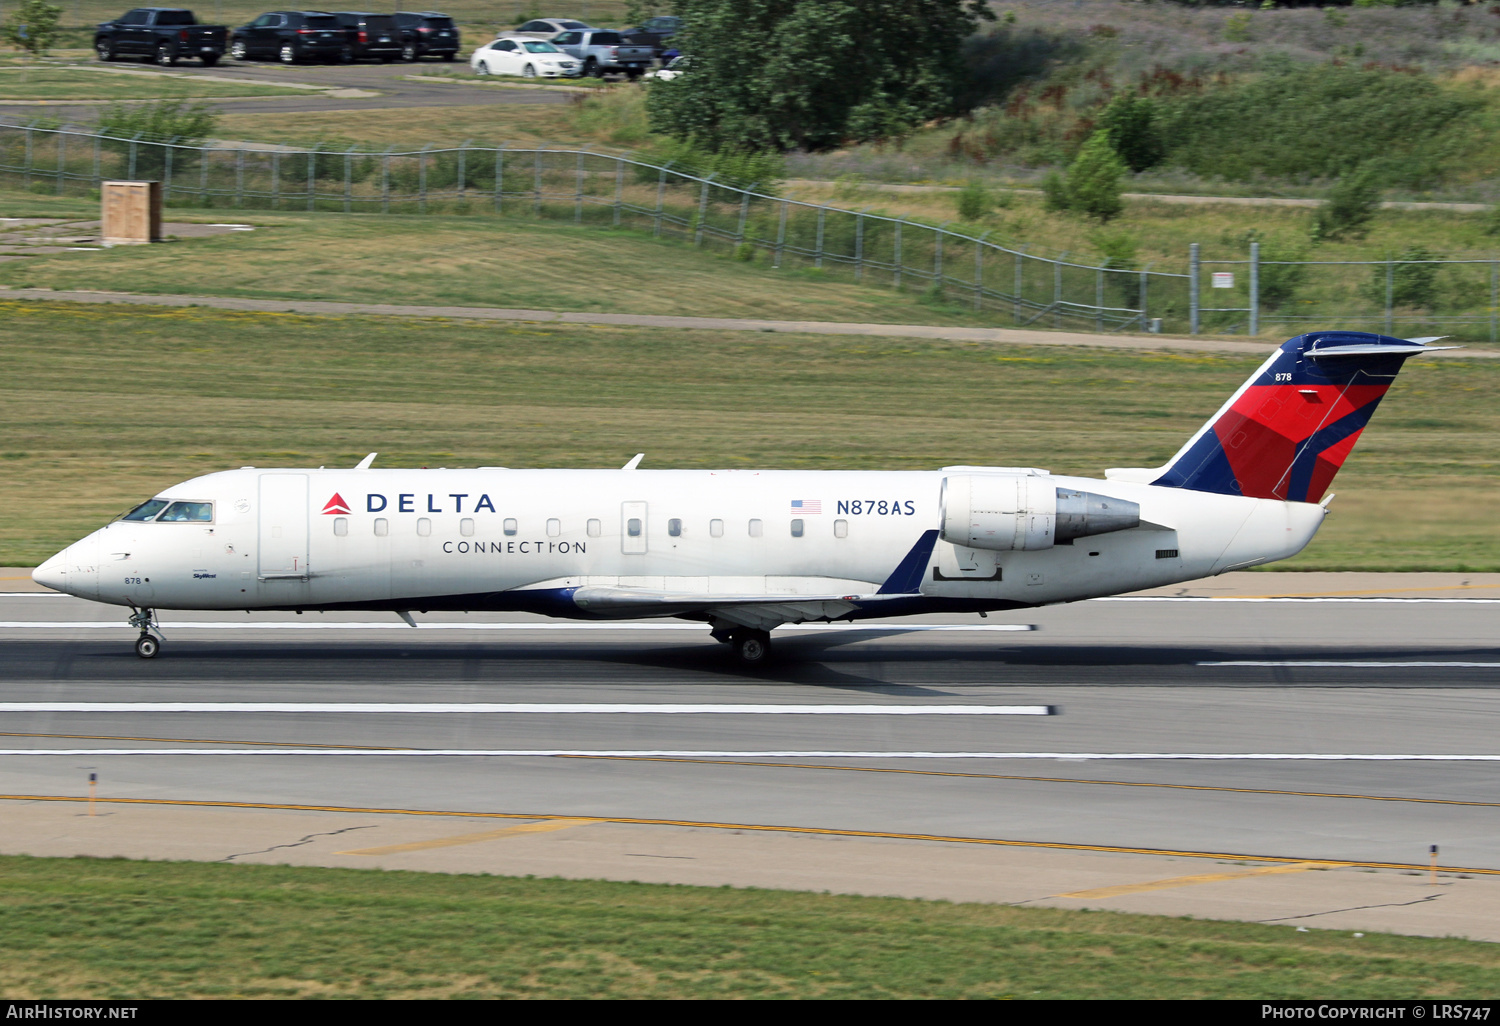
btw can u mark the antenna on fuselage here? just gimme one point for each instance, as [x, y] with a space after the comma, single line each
[634, 462]
[364, 464]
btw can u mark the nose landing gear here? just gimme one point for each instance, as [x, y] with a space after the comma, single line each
[149, 643]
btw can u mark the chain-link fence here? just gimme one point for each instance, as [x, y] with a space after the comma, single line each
[1013, 285]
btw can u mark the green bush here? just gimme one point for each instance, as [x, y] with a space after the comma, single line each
[142, 124]
[1280, 281]
[973, 201]
[1349, 208]
[1092, 185]
[1412, 284]
[1130, 122]
[1320, 121]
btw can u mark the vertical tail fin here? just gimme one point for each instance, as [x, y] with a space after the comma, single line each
[1288, 430]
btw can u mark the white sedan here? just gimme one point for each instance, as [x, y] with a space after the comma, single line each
[529, 58]
[674, 69]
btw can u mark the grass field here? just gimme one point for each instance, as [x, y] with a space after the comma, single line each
[44, 83]
[76, 928]
[105, 406]
[471, 261]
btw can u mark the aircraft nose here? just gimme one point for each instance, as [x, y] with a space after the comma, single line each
[53, 573]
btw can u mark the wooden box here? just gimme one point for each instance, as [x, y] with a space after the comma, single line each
[132, 212]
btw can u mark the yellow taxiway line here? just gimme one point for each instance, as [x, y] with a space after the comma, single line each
[758, 827]
[1188, 881]
[545, 826]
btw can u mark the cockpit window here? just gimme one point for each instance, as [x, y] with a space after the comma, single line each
[146, 510]
[179, 512]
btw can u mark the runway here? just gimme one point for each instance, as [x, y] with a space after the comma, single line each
[1343, 730]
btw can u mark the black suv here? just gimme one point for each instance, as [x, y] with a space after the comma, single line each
[370, 35]
[427, 33]
[291, 36]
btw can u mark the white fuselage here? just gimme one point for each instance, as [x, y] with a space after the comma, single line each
[507, 539]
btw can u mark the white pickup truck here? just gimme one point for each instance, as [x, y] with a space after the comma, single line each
[602, 52]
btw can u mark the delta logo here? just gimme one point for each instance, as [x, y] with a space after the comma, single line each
[336, 505]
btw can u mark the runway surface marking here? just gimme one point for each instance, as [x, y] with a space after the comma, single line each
[760, 827]
[546, 826]
[235, 625]
[529, 708]
[851, 769]
[1040, 780]
[1365, 664]
[1189, 881]
[653, 753]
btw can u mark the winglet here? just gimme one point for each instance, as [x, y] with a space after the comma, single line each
[364, 464]
[635, 461]
[906, 579]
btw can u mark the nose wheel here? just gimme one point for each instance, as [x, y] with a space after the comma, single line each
[149, 643]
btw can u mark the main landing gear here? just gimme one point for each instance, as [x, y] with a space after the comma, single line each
[751, 647]
[149, 643]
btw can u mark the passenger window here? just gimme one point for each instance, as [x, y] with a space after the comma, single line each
[633, 527]
[841, 528]
[554, 528]
[510, 525]
[185, 512]
[505, 45]
[756, 529]
[340, 526]
[674, 528]
[382, 527]
[796, 529]
[595, 528]
[716, 528]
[466, 527]
[424, 527]
[146, 510]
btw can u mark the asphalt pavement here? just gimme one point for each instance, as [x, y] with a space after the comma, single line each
[1260, 746]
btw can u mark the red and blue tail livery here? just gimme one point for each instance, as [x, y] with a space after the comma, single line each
[1288, 430]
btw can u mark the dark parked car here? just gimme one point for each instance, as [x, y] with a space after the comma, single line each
[290, 37]
[654, 32]
[373, 36]
[427, 34]
[164, 34]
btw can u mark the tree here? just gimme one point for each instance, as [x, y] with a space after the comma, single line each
[1092, 186]
[1349, 208]
[34, 27]
[813, 74]
[1130, 122]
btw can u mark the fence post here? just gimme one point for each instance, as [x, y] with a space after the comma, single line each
[312, 175]
[1145, 278]
[1099, 300]
[937, 255]
[979, 270]
[203, 153]
[62, 161]
[780, 236]
[385, 180]
[275, 179]
[1057, 291]
[739, 236]
[97, 155]
[1193, 289]
[166, 178]
[859, 245]
[1254, 290]
[239, 177]
[702, 211]
[499, 177]
[349, 179]
[463, 171]
[133, 146]
[578, 191]
[896, 261]
[1494, 302]
[619, 187]
[818, 249]
[26, 180]
[1020, 283]
[422, 178]
[1390, 292]
[536, 183]
[661, 198]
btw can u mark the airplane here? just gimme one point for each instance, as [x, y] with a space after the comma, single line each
[746, 551]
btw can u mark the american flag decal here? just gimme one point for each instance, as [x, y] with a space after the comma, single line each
[807, 506]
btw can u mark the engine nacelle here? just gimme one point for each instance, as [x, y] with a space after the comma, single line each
[1006, 512]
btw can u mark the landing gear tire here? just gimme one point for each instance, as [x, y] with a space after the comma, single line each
[146, 646]
[752, 648]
